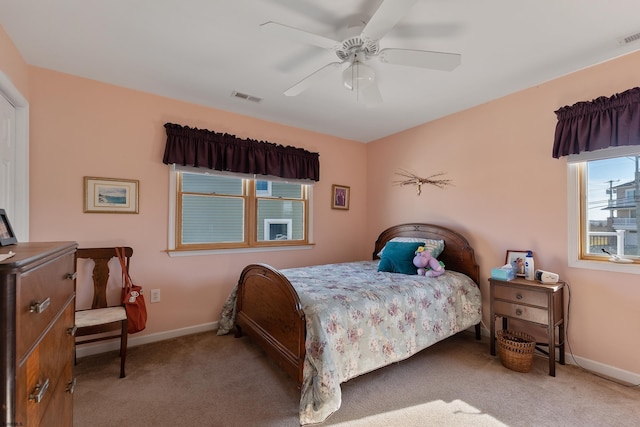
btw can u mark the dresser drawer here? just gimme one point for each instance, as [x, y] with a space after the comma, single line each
[517, 311]
[521, 296]
[60, 410]
[43, 292]
[45, 375]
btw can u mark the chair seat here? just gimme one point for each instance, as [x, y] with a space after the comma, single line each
[100, 316]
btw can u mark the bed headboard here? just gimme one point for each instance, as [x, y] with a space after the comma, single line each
[458, 255]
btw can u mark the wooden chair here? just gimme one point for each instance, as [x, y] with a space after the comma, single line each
[102, 318]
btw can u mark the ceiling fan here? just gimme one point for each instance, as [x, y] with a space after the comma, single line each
[362, 44]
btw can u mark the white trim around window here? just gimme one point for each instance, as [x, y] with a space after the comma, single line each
[574, 212]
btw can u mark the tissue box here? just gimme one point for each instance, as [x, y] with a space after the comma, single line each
[502, 273]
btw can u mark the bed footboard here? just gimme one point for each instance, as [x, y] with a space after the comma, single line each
[270, 312]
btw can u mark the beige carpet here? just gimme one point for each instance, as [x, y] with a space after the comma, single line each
[207, 380]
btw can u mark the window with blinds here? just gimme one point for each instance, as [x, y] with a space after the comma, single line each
[222, 211]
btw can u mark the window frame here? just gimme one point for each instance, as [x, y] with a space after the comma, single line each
[251, 242]
[576, 215]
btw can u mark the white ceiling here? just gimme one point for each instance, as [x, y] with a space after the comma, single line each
[201, 51]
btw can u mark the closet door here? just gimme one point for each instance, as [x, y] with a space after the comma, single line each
[7, 157]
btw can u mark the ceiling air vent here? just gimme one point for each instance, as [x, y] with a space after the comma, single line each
[246, 97]
[629, 39]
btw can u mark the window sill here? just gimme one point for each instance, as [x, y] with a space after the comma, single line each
[183, 253]
[606, 266]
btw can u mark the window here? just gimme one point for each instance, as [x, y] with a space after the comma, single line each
[263, 188]
[604, 213]
[224, 211]
[277, 229]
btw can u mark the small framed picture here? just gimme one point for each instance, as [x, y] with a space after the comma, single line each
[7, 236]
[516, 259]
[340, 197]
[109, 195]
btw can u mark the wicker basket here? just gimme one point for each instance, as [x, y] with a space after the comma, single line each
[516, 350]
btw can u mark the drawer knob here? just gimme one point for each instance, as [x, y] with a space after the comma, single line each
[518, 311]
[71, 386]
[39, 391]
[39, 307]
[518, 296]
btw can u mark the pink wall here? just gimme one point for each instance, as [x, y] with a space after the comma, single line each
[83, 128]
[493, 153]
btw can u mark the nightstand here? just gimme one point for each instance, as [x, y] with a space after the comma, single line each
[533, 302]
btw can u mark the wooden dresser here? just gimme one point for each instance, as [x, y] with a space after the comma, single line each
[37, 300]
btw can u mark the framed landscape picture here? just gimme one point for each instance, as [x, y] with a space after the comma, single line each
[110, 195]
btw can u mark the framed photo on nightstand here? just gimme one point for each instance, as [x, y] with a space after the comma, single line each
[516, 259]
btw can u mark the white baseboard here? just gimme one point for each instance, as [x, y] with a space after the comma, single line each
[97, 348]
[592, 366]
[604, 370]
[133, 340]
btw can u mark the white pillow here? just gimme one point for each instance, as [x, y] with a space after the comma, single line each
[434, 246]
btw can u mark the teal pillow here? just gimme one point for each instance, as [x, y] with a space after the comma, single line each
[398, 257]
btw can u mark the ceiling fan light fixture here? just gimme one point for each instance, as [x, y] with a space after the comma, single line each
[358, 75]
[361, 44]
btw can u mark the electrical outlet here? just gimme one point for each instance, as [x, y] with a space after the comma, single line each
[155, 295]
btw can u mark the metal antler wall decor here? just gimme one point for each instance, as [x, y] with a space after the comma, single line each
[413, 179]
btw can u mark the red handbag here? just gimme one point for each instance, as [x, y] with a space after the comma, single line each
[132, 298]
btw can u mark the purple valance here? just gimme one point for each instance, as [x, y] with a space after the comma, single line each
[601, 123]
[206, 149]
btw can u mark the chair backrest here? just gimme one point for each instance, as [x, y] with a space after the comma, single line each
[101, 258]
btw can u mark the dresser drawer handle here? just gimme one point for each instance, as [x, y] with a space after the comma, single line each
[71, 386]
[72, 276]
[518, 312]
[39, 391]
[72, 331]
[39, 307]
[518, 296]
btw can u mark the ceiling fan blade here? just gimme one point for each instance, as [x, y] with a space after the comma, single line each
[309, 8]
[369, 95]
[296, 34]
[386, 17]
[312, 79]
[421, 58]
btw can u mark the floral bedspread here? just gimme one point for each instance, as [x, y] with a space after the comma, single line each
[359, 319]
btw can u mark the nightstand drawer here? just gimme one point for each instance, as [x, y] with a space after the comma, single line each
[521, 296]
[517, 311]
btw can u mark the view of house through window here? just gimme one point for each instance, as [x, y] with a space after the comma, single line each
[225, 211]
[611, 212]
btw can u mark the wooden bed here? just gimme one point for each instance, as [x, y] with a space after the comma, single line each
[270, 312]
